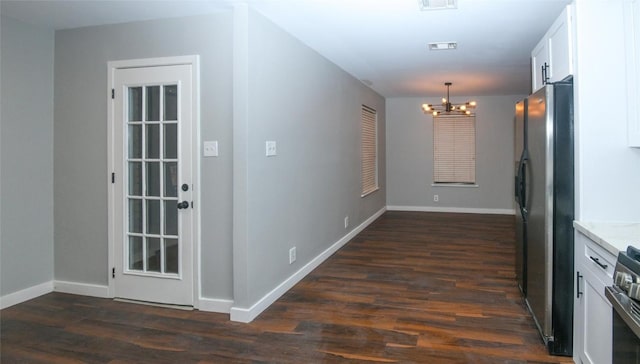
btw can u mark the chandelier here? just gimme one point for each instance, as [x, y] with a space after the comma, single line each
[448, 107]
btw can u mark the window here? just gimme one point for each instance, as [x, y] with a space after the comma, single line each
[454, 149]
[369, 150]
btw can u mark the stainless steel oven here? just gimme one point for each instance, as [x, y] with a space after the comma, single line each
[624, 296]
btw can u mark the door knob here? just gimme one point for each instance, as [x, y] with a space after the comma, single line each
[183, 205]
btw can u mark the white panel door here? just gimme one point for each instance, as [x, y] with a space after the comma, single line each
[152, 133]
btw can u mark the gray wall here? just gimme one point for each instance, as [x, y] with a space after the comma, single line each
[80, 144]
[300, 197]
[410, 156]
[291, 95]
[26, 150]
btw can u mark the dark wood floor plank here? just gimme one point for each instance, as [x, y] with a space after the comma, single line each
[411, 288]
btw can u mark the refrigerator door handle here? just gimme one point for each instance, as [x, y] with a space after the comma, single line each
[521, 180]
[518, 186]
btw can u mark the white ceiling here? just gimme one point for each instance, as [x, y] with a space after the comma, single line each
[381, 42]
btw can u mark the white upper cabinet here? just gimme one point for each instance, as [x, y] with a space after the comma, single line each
[560, 50]
[632, 47]
[552, 58]
[539, 64]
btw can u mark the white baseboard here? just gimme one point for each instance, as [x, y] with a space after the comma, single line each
[83, 289]
[461, 210]
[95, 290]
[26, 294]
[248, 314]
[214, 305]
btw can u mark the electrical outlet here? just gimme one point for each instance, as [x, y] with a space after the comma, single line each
[270, 147]
[346, 222]
[436, 198]
[292, 255]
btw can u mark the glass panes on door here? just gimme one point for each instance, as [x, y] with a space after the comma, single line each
[152, 243]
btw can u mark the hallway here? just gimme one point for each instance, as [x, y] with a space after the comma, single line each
[413, 288]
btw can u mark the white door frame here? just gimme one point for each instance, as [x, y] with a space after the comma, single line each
[194, 61]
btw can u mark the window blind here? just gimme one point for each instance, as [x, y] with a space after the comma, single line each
[454, 149]
[369, 152]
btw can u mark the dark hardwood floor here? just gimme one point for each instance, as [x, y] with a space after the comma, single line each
[411, 288]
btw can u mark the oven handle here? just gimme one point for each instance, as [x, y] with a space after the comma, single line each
[618, 305]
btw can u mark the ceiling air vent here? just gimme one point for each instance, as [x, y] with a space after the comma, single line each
[438, 4]
[443, 46]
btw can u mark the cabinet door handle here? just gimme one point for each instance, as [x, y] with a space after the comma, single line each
[578, 277]
[545, 73]
[597, 261]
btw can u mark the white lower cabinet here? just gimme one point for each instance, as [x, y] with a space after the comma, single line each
[592, 340]
[596, 333]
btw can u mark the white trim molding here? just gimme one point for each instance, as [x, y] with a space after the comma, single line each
[215, 305]
[248, 314]
[83, 289]
[455, 185]
[153, 62]
[26, 294]
[460, 210]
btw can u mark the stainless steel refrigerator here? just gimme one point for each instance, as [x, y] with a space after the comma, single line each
[544, 193]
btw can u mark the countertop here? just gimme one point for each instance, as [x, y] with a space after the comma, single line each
[612, 236]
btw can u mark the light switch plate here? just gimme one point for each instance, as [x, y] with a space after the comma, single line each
[210, 148]
[270, 148]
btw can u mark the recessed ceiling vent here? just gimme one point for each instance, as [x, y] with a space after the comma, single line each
[438, 4]
[443, 46]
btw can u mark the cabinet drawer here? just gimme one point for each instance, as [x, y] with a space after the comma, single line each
[600, 262]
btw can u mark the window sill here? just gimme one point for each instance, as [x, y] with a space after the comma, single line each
[369, 192]
[463, 185]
